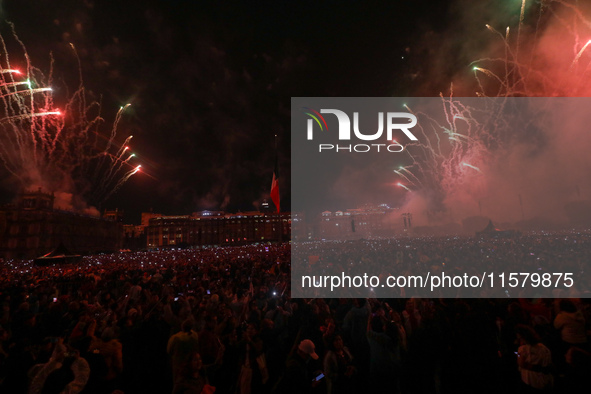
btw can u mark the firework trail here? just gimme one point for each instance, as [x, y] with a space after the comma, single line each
[401, 185]
[471, 166]
[58, 149]
[123, 179]
[528, 68]
[464, 134]
[405, 177]
[580, 54]
[530, 63]
[417, 180]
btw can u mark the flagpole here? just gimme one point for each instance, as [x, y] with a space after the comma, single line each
[280, 238]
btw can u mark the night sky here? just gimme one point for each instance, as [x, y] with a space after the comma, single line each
[210, 82]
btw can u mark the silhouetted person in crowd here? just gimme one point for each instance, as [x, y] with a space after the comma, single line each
[181, 346]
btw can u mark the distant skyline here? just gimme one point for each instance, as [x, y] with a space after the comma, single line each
[210, 82]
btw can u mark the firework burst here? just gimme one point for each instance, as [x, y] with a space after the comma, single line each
[546, 55]
[59, 148]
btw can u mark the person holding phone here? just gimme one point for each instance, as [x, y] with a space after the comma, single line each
[298, 377]
[338, 366]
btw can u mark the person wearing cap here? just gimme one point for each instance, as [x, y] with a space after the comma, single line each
[307, 348]
[298, 377]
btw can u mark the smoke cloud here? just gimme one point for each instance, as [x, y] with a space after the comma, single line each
[537, 167]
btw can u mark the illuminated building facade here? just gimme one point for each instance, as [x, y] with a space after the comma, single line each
[365, 222]
[32, 227]
[218, 228]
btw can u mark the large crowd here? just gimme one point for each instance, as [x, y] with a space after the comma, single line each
[537, 253]
[221, 319]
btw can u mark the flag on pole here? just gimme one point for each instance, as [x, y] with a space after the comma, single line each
[275, 186]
